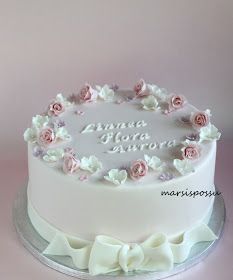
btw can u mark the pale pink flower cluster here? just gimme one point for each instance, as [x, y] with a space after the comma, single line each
[138, 169]
[46, 136]
[191, 151]
[70, 163]
[200, 119]
[56, 108]
[141, 89]
[175, 102]
[88, 94]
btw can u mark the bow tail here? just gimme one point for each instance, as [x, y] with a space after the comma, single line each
[77, 249]
[182, 245]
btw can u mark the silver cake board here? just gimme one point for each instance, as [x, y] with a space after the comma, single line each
[35, 244]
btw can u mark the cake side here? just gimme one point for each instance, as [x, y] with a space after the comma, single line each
[128, 213]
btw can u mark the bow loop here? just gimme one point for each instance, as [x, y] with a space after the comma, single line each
[104, 255]
[158, 254]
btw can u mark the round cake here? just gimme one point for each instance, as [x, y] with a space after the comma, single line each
[122, 179]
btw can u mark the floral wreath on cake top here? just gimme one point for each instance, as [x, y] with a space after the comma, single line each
[48, 129]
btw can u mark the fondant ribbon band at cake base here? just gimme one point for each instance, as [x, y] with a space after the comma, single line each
[106, 254]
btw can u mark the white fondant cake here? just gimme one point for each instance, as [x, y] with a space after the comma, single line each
[109, 167]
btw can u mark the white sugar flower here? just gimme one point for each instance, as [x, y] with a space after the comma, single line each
[208, 112]
[158, 92]
[209, 133]
[116, 176]
[91, 164]
[60, 98]
[183, 166]
[188, 142]
[30, 135]
[105, 92]
[150, 103]
[53, 155]
[62, 133]
[40, 121]
[154, 163]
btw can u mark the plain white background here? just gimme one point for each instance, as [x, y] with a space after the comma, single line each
[49, 46]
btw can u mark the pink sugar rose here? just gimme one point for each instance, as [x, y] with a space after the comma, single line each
[46, 136]
[141, 89]
[199, 119]
[55, 108]
[192, 151]
[70, 164]
[88, 94]
[175, 102]
[138, 169]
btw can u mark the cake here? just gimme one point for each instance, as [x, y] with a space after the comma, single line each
[121, 180]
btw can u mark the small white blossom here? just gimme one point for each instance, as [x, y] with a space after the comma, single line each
[183, 166]
[188, 142]
[105, 92]
[62, 133]
[53, 155]
[154, 163]
[209, 133]
[39, 121]
[91, 164]
[208, 112]
[158, 92]
[150, 103]
[30, 135]
[116, 176]
[60, 98]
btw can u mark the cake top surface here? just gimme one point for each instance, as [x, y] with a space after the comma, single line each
[114, 136]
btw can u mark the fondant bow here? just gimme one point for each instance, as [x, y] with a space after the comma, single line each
[108, 254]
